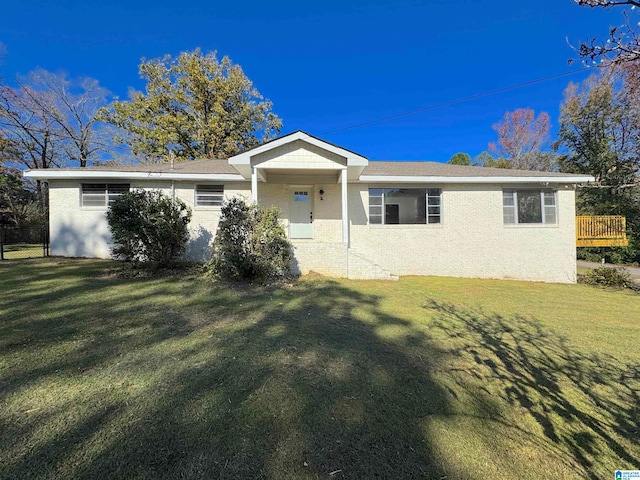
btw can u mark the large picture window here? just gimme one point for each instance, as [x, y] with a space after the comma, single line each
[209, 195]
[529, 206]
[404, 206]
[102, 194]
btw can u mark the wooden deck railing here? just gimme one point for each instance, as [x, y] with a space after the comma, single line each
[601, 231]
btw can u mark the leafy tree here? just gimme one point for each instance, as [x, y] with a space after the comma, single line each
[460, 159]
[250, 243]
[623, 43]
[195, 106]
[600, 135]
[600, 131]
[485, 159]
[521, 139]
[149, 227]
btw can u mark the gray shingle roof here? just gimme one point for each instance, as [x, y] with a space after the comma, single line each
[427, 169]
[375, 168]
[212, 166]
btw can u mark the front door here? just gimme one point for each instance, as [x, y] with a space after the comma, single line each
[301, 225]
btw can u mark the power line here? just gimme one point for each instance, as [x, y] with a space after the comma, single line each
[459, 100]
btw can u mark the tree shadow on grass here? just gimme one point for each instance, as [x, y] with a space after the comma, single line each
[285, 383]
[62, 305]
[588, 406]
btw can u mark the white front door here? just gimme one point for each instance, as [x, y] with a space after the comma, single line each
[301, 224]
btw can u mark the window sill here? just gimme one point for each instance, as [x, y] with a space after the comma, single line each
[93, 209]
[207, 209]
[531, 225]
[410, 226]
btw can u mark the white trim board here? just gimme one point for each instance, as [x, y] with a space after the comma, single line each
[482, 180]
[52, 174]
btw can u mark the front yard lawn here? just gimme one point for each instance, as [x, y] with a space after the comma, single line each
[177, 378]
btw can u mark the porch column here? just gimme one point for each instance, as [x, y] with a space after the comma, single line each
[345, 209]
[254, 184]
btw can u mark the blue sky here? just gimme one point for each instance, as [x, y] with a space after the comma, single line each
[331, 64]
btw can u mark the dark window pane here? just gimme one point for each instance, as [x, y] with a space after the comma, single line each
[529, 206]
[209, 195]
[94, 188]
[210, 189]
[409, 205]
[118, 188]
[392, 214]
[404, 205]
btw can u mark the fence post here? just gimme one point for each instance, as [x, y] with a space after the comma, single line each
[1, 242]
[45, 239]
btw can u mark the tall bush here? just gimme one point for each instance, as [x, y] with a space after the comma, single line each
[148, 227]
[250, 243]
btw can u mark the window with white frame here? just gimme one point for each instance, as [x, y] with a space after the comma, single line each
[526, 206]
[209, 195]
[102, 194]
[404, 206]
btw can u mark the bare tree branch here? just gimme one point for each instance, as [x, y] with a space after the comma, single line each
[623, 44]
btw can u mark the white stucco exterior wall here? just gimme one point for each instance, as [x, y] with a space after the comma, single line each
[472, 240]
[78, 231]
[75, 231]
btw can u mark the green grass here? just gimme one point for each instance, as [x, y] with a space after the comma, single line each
[22, 250]
[176, 377]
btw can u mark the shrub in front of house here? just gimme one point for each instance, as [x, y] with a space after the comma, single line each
[609, 277]
[148, 227]
[250, 244]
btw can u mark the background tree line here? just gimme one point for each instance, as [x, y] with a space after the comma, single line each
[193, 106]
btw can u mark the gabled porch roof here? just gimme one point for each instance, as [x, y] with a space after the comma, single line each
[291, 150]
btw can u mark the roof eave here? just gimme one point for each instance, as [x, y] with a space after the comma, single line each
[573, 179]
[51, 174]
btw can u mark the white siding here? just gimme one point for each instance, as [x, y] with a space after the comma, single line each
[297, 155]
